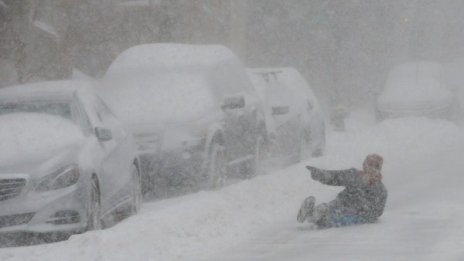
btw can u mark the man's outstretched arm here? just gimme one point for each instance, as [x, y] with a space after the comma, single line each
[334, 177]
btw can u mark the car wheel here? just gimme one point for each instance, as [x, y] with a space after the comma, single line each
[318, 151]
[136, 191]
[216, 167]
[305, 152]
[256, 166]
[94, 207]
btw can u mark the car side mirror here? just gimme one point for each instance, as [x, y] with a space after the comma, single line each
[233, 102]
[280, 110]
[103, 134]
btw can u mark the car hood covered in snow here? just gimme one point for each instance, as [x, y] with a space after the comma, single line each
[29, 139]
[160, 98]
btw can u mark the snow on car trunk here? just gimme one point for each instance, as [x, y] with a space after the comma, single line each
[33, 137]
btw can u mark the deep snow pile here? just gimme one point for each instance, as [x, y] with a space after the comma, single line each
[204, 224]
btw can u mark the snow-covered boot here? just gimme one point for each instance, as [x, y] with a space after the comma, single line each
[306, 209]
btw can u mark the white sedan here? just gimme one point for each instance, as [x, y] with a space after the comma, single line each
[66, 164]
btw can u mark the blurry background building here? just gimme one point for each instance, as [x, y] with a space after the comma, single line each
[345, 48]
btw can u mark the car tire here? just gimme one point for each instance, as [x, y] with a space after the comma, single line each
[318, 150]
[136, 190]
[379, 116]
[94, 208]
[216, 167]
[256, 166]
[305, 148]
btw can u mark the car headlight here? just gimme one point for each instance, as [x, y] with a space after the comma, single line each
[61, 178]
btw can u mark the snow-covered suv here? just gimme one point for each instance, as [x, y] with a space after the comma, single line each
[193, 111]
[293, 117]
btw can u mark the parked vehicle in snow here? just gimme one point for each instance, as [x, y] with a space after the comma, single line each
[193, 111]
[294, 121]
[416, 89]
[66, 164]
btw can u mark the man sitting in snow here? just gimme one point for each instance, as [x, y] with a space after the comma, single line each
[362, 201]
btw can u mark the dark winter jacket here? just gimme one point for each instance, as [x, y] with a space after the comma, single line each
[366, 200]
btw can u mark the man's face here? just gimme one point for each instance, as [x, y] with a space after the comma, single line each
[371, 167]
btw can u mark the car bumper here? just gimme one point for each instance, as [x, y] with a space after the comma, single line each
[442, 113]
[52, 211]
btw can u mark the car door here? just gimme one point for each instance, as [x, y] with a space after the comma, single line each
[239, 126]
[286, 114]
[235, 94]
[115, 167]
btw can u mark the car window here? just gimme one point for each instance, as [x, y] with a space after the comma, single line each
[81, 116]
[57, 108]
[108, 118]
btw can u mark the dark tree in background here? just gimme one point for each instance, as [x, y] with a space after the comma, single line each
[344, 48]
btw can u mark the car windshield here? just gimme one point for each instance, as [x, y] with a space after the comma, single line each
[57, 108]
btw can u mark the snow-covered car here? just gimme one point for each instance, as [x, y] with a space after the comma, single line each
[416, 89]
[193, 111]
[66, 164]
[294, 120]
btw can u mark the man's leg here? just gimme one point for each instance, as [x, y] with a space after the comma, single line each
[326, 214]
[334, 214]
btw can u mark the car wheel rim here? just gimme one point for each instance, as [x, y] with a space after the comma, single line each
[94, 208]
[259, 157]
[319, 149]
[136, 190]
[305, 146]
[216, 168]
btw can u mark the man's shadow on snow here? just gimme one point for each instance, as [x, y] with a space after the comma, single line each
[313, 227]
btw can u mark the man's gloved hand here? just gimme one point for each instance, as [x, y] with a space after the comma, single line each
[315, 173]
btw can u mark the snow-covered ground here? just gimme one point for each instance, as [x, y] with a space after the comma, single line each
[256, 219]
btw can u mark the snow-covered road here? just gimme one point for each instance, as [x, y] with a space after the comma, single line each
[255, 219]
[425, 213]
[424, 221]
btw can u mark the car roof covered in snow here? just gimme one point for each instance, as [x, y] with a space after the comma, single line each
[166, 56]
[55, 89]
[172, 82]
[288, 76]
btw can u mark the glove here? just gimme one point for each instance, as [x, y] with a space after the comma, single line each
[315, 173]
